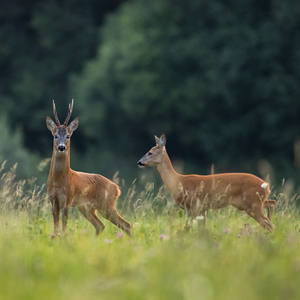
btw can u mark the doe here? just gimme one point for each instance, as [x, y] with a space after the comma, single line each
[67, 188]
[197, 193]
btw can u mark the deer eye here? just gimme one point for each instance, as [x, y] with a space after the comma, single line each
[149, 153]
[67, 136]
[56, 137]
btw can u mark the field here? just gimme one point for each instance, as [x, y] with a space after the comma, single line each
[233, 259]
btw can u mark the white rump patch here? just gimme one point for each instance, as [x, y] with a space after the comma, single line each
[264, 185]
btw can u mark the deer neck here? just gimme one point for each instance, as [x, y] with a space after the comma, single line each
[60, 163]
[169, 176]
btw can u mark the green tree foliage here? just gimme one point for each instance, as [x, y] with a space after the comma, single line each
[42, 43]
[12, 151]
[220, 78]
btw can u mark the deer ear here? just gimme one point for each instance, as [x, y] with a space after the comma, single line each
[50, 124]
[162, 140]
[156, 140]
[74, 125]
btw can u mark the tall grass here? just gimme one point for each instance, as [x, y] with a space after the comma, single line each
[233, 259]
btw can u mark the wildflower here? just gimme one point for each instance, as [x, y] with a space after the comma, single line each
[58, 234]
[52, 235]
[164, 237]
[107, 241]
[136, 224]
[120, 234]
[238, 235]
[83, 231]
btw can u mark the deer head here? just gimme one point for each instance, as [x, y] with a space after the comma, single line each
[154, 156]
[62, 133]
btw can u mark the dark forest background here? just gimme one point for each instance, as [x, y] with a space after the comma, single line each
[219, 77]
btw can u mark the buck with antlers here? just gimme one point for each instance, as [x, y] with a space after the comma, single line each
[197, 193]
[67, 188]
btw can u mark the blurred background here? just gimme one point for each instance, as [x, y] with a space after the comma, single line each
[219, 77]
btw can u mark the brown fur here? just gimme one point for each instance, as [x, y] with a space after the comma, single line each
[89, 192]
[197, 193]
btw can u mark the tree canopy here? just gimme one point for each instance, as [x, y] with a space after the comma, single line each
[219, 78]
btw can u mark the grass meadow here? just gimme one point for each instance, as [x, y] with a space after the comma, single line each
[233, 259]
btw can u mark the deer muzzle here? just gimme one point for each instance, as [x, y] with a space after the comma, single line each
[140, 164]
[61, 147]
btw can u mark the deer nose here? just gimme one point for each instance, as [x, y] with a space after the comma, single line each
[61, 147]
[140, 164]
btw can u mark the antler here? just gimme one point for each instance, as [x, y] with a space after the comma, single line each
[69, 113]
[55, 114]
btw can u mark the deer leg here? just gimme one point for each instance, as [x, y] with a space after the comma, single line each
[64, 213]
[55, 214]
[112, 215]
[270, 206]
[257, 214]
[100, 225]
[91, 215]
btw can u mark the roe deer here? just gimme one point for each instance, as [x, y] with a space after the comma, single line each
[67, 188]
[197, 193]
